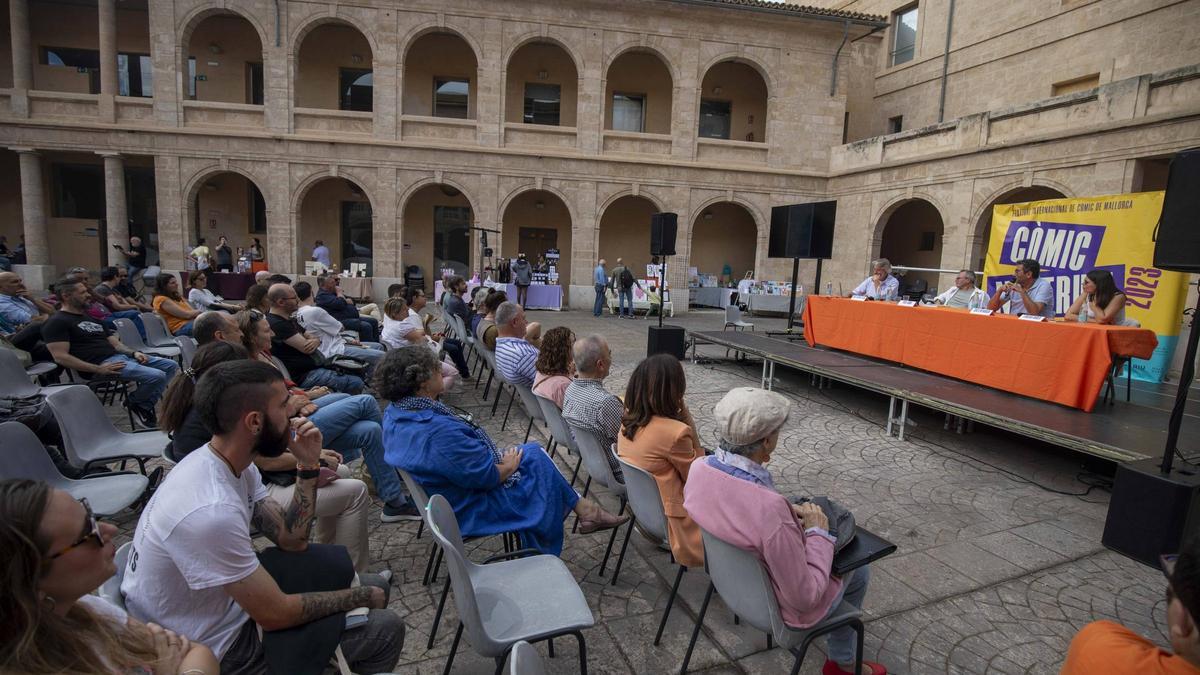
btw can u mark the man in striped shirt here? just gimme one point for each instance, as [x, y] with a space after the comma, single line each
[587, 404]
[516, 358]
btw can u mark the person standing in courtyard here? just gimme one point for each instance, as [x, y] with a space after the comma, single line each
[600, 280]
[522, 276]
[320, 253]
[224, 255]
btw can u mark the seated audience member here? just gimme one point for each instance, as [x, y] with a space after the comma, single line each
[586, 403]
[415, 298]
[1026, 293]
[261, 277]
[297, 351]
[395, 290]
[452, 299]
[55, 554]
[342, 508]
[964, 293]
[554, 365]
[659, 435]
[278, 279]
[1108, 647]
[1101, 301]
[22, 315]
[491, 491]
[201, 299]
[109, 294]
[102, 311]
[477, 310]
[169, 304]
[732, 496]
[124, 286]
[216, 326]
[881, 285]
[328, 330]
[485, 328]
[77, 342]
[256, 298]
[330, 298]
[398, 332]
[194, 569]
[515, 356]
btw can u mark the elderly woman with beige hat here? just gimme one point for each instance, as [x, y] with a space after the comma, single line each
[732, 496]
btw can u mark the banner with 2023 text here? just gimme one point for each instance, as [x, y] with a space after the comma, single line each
[1070, 237]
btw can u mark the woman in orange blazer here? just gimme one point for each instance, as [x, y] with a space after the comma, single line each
[659, 435]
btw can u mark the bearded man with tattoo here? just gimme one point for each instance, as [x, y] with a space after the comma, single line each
[193, 567]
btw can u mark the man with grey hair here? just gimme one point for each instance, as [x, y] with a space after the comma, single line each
[261, 276]
[216, 326]
[587, 404]
[881, 285]
[516, 357]
[964, 293]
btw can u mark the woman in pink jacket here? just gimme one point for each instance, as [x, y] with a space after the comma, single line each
[731, 495]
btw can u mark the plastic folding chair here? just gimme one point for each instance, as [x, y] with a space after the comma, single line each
[26, 457]
[187, 349]
[560, 433]
[157, 333]
[524, 660]
[509, 598]
[89, 436]
[532, 409]
[745, 586]
[110, 590]
[127, 333]
[733, 317]
[595, 460]
[14, 379]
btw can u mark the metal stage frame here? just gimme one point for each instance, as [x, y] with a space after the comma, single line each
[1119, 432]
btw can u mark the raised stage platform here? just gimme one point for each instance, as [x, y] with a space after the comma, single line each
[1121, 431]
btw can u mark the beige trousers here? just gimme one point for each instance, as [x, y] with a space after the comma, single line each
[341, 514]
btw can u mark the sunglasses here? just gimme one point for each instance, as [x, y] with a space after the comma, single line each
[91, 531]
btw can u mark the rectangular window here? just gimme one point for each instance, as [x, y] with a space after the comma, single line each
[254, 83]
[258, 211]
[191, 78]
[356, 87]
[904, 35]
[82, 60]
[845, 126]
[451, 238]
[542, 103]
[629, 112]
[1076, 85]
[78, 191]
[356, 234]
[895, 124]
[450, 97]
[928, 241]
[715, 118]
[135, 75]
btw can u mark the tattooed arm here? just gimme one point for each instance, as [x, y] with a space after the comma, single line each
[288, 527]
[273, 609]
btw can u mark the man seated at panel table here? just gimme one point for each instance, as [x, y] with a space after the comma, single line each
[881, 285]
[1026, 293]
[964, 293]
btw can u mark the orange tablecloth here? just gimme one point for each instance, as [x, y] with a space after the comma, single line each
[1062, 362]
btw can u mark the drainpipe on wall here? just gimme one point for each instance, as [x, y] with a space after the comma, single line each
[278, 30]
[946, 64]
[833, 76]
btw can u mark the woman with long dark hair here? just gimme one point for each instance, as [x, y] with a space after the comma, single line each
[170, 305]
[659, 435]
[1101, 301]
[55, 554]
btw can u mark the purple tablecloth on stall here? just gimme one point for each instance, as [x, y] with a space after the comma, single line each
[228, 285]
[541, 296]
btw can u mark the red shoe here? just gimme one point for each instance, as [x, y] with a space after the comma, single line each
[832, 668]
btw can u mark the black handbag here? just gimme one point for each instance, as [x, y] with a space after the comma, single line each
[841, 520]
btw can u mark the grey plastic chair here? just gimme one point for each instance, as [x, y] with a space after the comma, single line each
[157, 334]
[26, 457]
[187, 349]
[733, 317]
[128, 334]
[110, 590]
[532, 408]
[524, 660]
[14, 380]
[646, 503]
[508, 598]
[560, 433]
[745, 586]
[595, 460]
[89, 436]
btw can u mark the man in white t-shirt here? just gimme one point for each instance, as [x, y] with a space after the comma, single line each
[964, 293]
[329, 330]
[193, 568]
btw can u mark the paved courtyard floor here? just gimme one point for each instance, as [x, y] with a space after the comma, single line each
[999, 561]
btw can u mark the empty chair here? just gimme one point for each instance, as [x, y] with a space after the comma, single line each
[530, 403]
[14, 380]
[26, 457]
[508, 598]
[110, 590]
[595, 460]
[733, 317]
[524, 660]
[744, 585]
[157, 333]
[128, 334]
[559, 432]
[187, 349]
[89, 436]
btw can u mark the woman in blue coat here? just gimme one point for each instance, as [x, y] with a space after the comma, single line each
[492, 491]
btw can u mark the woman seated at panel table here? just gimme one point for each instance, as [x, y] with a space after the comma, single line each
[1101, 302]
[170, 305]
[201, 299]
[492, 491]
[881, 285]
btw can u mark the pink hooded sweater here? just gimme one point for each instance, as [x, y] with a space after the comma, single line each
[757, 519]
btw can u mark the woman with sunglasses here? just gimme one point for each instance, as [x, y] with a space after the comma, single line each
[55, 554]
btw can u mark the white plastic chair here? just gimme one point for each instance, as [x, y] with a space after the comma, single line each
[110, 590]
[524, 660]
[128, 334]
[14, 379]
[187, 349]
[89, 436]
[26, 457]
[595, 460]
[529, 402]
[733, 317]
[157, 333]
[560, 433]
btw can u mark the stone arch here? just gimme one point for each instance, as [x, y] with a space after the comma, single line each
[1016, 186]
[412, 189]
[981, 224]
[745, 59]
[421, 234]
[535, 36]
[879, 220]
[724, 245]
[312, 23]
[418, 32]
[759, 220]
[639, 92]
[209, 9]
[201, 177]
[518, 212]
[549, 57]
[303, 191]
[636, 46]
[416, 93]
[217, 85]
[517, 192]
[623, 228]
[911, 243]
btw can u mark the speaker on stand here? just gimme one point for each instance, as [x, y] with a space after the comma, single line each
[664, 339]
[802, 231]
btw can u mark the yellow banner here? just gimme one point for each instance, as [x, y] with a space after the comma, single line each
[1071, 237]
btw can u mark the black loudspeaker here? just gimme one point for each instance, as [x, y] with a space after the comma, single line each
[802, 230]
[663, 227]
[487, 252]
[1150, 511]
[666, 340]
[1178, 243]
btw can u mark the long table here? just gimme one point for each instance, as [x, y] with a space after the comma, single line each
[1062, 362]
[228, 285]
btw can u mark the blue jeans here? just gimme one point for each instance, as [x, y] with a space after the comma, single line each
[352, 426]
[366, 327]
[324, 377]
[371, 356]
[151, 377]
[599, 306]
[454, 349]
[625, 295]
[840, 643]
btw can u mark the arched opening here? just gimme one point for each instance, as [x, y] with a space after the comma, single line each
[230, 205]
[436, 227]
[336, 212]
[912, 237]
[537, 222]
[625, 232]
[333, 69]
[733, 103]
[724, 238]
[439, 77]
[638, 94]
[542, 86]
[64, 38]
[223, 61]
[1032, 193]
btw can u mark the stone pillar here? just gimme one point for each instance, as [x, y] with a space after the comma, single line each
[33, 207]
[167, 62]
[22, 56]
[115, 211]
[172, 231]
[108, 60]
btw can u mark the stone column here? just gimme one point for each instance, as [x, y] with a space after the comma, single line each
[108, 60]
[115, 211]
[172, 231]
[33, 207]
[22, 56]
